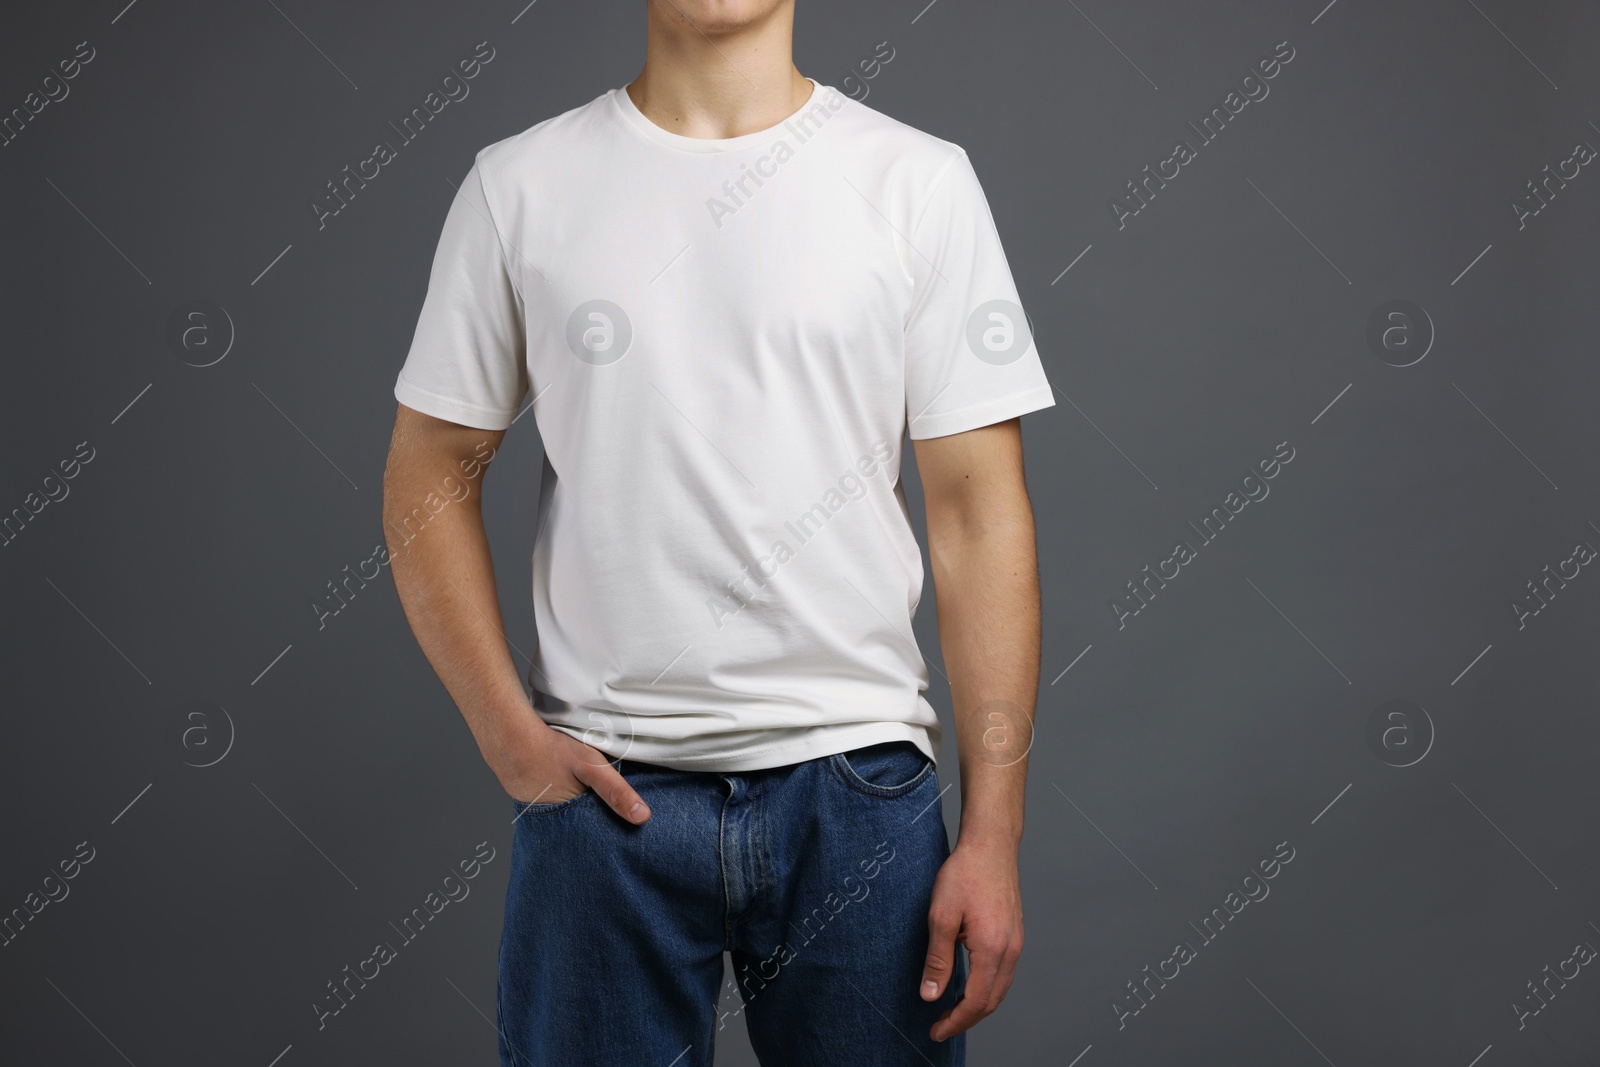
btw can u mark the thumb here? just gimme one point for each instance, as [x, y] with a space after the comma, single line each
[943, 927]
[611, 787]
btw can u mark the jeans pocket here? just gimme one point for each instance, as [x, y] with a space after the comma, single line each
[523, 807]
[891, 769]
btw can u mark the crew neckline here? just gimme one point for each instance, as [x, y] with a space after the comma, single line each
[639, 121]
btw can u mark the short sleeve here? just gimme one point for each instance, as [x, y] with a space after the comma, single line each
[969, 354]
[468, 358]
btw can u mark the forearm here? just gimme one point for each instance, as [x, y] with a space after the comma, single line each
[445, 578]
[986, 575]
[439, 558]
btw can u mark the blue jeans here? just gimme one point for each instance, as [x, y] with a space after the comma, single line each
[815, 876]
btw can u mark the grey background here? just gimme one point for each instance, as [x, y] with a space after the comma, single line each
[1228, 716]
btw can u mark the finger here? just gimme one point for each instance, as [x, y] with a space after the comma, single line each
[612, 788]
[1008, 971]
[943, 926]
[974, 1003]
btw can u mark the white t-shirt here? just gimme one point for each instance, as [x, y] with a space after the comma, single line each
[726, 342]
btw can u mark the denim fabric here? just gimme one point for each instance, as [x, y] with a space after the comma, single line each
[815, 876]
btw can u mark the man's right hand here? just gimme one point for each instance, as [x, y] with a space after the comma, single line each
[439, 558]
[554, 766]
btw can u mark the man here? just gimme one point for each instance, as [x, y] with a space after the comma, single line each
[731, 293]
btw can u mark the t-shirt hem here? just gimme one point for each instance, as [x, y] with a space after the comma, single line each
[451, 409]
[985, 414]
[824, 743]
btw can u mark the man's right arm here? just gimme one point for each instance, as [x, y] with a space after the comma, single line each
[439, 558]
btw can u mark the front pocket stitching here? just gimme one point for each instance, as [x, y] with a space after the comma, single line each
[535, 810]
[841, 767]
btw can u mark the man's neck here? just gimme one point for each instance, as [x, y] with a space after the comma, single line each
[715, 81]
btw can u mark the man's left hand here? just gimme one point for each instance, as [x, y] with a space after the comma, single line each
[978, 902]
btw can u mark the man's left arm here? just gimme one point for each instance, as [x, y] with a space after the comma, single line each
[986, 577]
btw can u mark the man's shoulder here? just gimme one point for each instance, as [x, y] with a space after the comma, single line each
[555, 136]
[920, 153]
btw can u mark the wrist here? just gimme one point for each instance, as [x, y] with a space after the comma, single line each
[513, 741]
[991, 816]
[995, 843]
